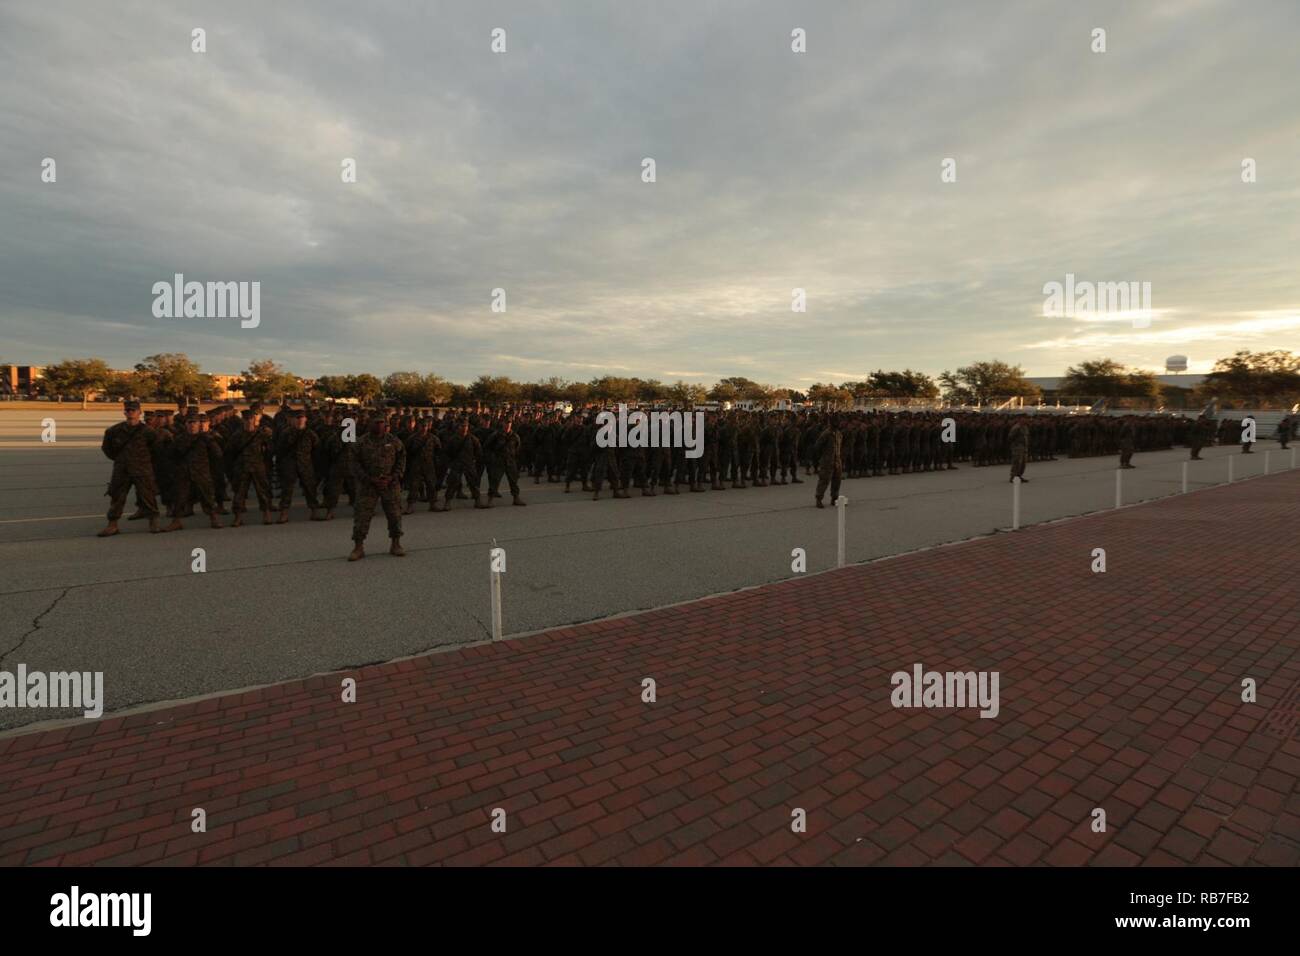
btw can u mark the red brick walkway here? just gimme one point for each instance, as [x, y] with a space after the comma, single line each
[1119, 690]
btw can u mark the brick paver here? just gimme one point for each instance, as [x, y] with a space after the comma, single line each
[1119, 690]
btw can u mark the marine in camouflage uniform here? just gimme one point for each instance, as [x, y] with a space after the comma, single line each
[378, 467]
[463, 451]
[830, 464]
[130, 444]
[1018, 439]
[248, 451]
[295, 453]
[503, 459]
[193, 450]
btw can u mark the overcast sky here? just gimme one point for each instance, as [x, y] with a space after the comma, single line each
[775, 170]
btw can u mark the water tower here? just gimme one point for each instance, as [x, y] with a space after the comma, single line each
[1176, 363]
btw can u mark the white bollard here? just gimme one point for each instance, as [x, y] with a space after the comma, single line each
[1119, 487]
[841, 502]
[1015, 505]
[494, 591]
[1184, 477]
[1230, 458]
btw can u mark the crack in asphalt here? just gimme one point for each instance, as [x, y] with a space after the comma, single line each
[36, 621]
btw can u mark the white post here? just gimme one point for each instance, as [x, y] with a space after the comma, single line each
[1230, 458]
[1119, 487]
[1015, 505]
[1266, 454]
[840, 504]
[1184, 477]
[494, 591]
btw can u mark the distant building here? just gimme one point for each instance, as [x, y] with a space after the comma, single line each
[1051, 385]
[21, 380]
[225, 390]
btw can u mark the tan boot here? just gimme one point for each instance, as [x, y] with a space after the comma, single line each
[110, 529]
[139, 513]
[358, 552]
[175, 525]
[153, 524]
[395, 549]
[519, 501]
[316, 515]
[284, 518]
[239, 520]
[329, 515]
[266, 517]
[214, 521]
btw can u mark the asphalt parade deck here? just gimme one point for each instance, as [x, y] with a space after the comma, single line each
[1120, 691]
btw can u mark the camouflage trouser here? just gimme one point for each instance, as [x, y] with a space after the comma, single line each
[789, 462]
[120, 486]
[456, 473]
[766, 462]
[1019, 457]
[419, 483]
[335, 479]
[191, 488]
[1125, 455]
[832, 475]
[510, 470]
[606, 463]
[291, 475]
[576, 466]
[219, 485]
[368, 496]
[261, 485]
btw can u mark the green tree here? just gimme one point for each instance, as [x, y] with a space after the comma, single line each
[365, 388]
[172, 374]
[78, 378]
[984, 382]
[266, 381]
[1255, 378]
[687, 393]
[1106, 378]
[904, 384]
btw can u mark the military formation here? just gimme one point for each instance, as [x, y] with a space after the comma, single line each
[394, 458]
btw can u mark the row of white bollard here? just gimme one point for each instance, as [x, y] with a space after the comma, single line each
[1119, 484]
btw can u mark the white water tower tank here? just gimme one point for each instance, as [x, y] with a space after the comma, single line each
[1176, 363]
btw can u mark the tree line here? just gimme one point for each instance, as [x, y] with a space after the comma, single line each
[1245, 377]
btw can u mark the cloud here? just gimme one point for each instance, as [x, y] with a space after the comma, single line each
[522, 171]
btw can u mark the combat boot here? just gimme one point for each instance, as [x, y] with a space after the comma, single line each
[358, 552]
[284, 517]
[329, 514]
[698, 486]
[596, 495]
[153, 524]
[649, 490]
[410, 507]
[480, 503]
[214, 521]
[519, 501]
[139, 513]
[433, 503]
[395, 549]
[671, 489]
[567, 487]
[316, 515]
[266, 517]
[586, 485]
[819, 503]
[110, 529]
[175, 525]
[622, 493]
[239, 520]
[795, 479]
